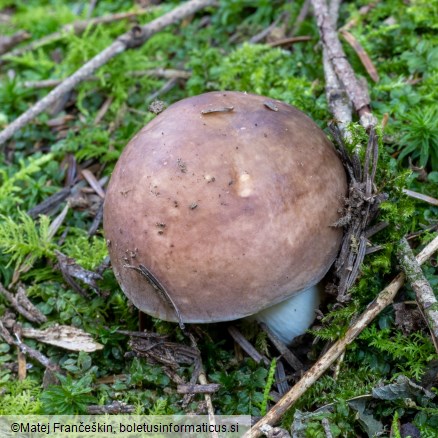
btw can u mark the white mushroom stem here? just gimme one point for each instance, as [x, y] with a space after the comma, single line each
[291, 318]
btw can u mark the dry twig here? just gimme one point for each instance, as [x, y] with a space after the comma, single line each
[165, 73]
[113, 408]
[135, 38]
[246, 346]
[336, 55]
[206, 388]
[421, 197]
[290, 40]
[384, 298]
[362, 54]
[7, 42]
[77, 28]
[22, 305]
[425, 297]
[288, 356]
[25, 349]
[339, 104]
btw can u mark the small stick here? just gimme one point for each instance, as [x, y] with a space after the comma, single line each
[421, 197]
[167, 73]
[159, 288]
[337, 98]
[145, 335]
[423, 290]
[134, 38]
[301, 16]
[7, 42]
[25, 349]
[383, 299]
[115, 407]
[201, 376]
[265, 32]
[326, 425]
[77, 27]
[336, 55]
[363, 55]
[290, 40]
[23, 305]
[163, 90]
[206, 388]
[288, 356]
[22, 365]
[246, 346]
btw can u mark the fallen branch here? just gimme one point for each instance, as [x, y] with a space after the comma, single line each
[336, 55]
[423, 290]
[384, 298]
[339, 104]
[135, 38]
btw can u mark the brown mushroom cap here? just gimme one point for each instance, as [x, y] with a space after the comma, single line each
[227, 199]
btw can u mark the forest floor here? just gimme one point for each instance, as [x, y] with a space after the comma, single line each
[79, 79]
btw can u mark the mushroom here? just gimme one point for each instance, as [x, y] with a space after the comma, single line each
[222, 207]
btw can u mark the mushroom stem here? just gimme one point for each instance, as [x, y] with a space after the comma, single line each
[292, 317]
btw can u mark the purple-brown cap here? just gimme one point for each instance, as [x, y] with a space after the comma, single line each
[227, 200]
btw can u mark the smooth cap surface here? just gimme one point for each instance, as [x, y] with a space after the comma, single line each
[227, 199]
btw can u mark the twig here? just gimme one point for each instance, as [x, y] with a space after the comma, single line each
[288, 356]
[22, 305]
[336, 55]
[163, 90]
[146, 335]
[290, 40]
[166, 73]
[91, 7]
[7, 42]
[246, 346]
[103, 110]
[210, 408]
[362, 54]
[326, 426]
[78, 27]
[423, 290]
[421, 197]
[25, 349]
[265, 32]
[301, 16]
[114, 407]
[49, 204]
[384, 298]
[135, 38]
[160, 289]
[339, 104]
[205, 388]
[280, 378]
